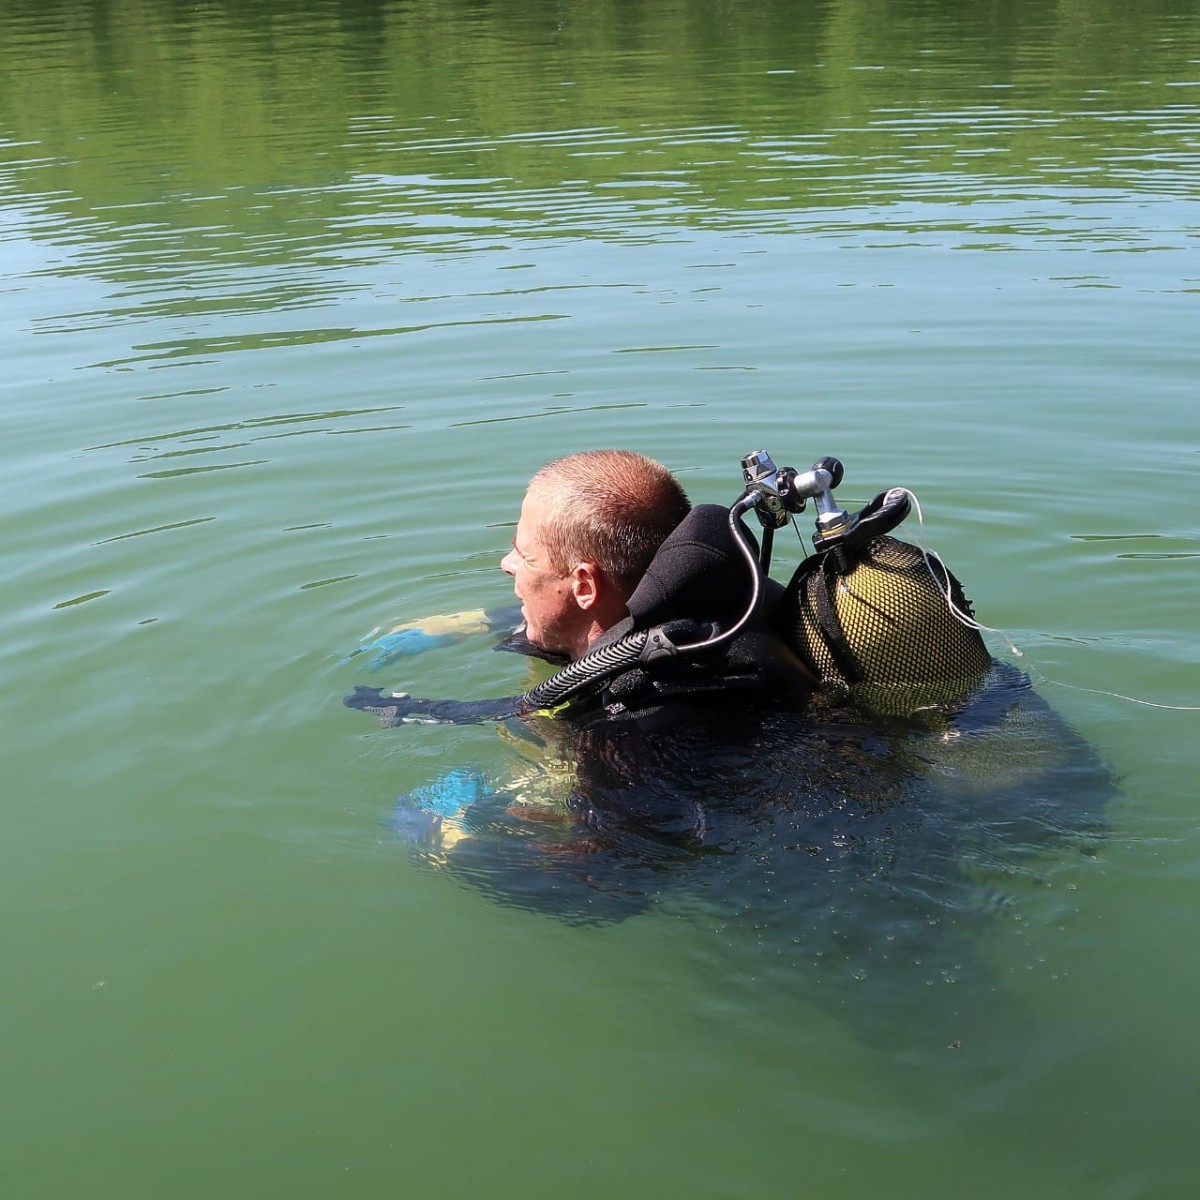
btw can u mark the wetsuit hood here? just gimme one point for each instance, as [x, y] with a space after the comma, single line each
[698, 572]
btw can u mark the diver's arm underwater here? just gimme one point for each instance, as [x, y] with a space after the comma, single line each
[415, 637]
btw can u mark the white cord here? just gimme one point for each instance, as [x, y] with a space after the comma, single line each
[943, 584]
[1132, 699]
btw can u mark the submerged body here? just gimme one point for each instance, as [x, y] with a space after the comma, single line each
[855, 863]
[836, 769]
[753, 805]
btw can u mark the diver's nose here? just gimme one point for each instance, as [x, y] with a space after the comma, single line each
[508, 564]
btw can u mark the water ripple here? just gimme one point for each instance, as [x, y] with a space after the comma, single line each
[191, 348]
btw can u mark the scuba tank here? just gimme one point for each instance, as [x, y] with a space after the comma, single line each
[878, 622]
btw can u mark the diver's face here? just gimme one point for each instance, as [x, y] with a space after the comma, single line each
[552, 618]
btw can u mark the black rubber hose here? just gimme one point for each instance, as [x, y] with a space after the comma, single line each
[593, 667]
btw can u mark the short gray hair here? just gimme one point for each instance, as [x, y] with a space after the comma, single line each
[610, 507]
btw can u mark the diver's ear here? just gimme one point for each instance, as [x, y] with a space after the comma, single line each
[587, 585]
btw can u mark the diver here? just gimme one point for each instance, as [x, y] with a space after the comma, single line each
[699, 705]
[833, 773]
[662, 616]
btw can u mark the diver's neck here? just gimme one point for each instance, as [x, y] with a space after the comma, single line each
[594, 632]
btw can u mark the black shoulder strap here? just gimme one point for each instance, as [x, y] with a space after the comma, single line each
[819, 587]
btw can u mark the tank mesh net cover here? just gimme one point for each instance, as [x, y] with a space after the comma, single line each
[882, 631]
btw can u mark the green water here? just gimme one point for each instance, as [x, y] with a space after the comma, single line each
[293, 301]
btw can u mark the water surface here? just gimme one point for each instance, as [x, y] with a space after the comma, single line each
[294, 302]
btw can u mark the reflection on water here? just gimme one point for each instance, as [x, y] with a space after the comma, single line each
[399, 128]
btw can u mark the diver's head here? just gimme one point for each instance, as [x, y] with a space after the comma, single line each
[590, 525]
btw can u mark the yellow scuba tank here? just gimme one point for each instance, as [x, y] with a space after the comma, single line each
[882, 622]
